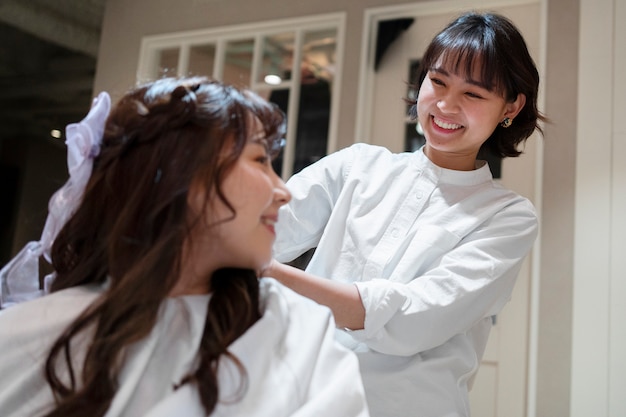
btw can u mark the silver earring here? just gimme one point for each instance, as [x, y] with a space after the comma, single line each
[506, 122]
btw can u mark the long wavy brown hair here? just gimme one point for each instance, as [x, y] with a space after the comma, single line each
[131, 226]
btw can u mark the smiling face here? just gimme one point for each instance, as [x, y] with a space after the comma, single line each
[256, 193]
[239, 236]
[458, 113]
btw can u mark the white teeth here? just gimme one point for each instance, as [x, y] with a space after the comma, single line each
[445, 125]
[269, 222]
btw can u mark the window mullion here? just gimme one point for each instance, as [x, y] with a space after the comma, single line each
[183, 60]
[220, 58]
[293, 107]
[257, 57]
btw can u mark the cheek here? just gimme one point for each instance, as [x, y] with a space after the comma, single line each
[261, 196]
[234, 187]
[424, 98]
[426, 90]
[488, 117]
[249, 192]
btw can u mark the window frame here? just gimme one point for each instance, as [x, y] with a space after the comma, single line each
[152, 45]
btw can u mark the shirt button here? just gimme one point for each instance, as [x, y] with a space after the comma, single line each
[394, 233]
[370, 273]
[419, 195]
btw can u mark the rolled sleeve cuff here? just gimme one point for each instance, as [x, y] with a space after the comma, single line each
[382, 301]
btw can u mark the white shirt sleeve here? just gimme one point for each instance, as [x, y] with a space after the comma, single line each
[472, 281]
[314, 191]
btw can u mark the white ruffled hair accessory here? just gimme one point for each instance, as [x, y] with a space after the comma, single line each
[19, 279]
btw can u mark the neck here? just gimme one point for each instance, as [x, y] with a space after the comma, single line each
[458, 161]
[195, 274]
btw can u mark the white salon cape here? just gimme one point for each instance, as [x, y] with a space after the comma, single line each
[294, 365]
[434, 254]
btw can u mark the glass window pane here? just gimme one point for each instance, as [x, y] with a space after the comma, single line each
[168, 62]
[313, 122]
[201, 59]
[279, 96]
[413, 137]
[277, 58]
[319, 54]
[238, 62]
[413, 134]
[413, 84]
[318, 67]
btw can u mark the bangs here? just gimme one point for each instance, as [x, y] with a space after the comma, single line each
[272, 119]
[236, 108]
[468, 55]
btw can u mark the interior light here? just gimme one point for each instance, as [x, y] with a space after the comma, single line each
[272, 79]
[55, 133]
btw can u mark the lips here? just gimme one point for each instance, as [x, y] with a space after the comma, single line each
[446, 125]
[269, 222]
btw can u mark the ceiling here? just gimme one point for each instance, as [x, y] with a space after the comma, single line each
[48, 51]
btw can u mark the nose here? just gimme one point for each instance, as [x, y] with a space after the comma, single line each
[281, 193]
[448, 104]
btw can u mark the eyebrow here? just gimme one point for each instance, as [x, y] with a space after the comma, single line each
[260, 140]
[477, 83]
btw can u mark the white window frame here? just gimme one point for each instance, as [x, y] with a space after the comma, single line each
[220, 36]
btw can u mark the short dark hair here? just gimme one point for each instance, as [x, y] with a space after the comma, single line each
[506, 67]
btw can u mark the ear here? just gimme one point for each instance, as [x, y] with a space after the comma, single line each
[196, 196]
[514, 107]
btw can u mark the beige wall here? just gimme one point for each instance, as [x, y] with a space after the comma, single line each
[557, 214]
[599, 331]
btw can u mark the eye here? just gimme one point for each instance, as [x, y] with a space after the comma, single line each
[263, 159]
[257, 151]
[436, 81]
[473, 95]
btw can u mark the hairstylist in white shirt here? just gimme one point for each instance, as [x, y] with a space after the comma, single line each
[415, 252]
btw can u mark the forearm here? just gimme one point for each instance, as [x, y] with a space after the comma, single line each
[343, 299]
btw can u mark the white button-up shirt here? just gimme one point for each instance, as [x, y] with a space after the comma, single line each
[434, 254]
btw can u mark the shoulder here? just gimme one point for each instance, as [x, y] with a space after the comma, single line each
[507, 213]
[27, 332]
[524, 214]
[291, 308]
[364, 158]
[49, 314]
[509, 206]
[359, 151]
[513, 200]
[366, 150]
[356, 159]
[273, 293]
[291, 355]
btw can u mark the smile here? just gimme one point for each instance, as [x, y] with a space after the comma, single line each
[268, 222]
[445, 125]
